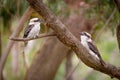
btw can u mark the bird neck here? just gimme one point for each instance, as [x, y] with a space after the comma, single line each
[37, 23]
[31, 23]
[84, 39]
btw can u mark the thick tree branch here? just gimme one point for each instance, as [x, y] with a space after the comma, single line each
[66, 37]
[16, 32]
[28, 39]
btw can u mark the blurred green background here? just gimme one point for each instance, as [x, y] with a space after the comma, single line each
[102, 12]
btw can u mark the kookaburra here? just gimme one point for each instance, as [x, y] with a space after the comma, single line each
[87, 42]
[33, 28]
[31, 31]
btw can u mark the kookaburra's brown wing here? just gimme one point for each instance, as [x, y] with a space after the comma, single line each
[93, 48]
[27, 30]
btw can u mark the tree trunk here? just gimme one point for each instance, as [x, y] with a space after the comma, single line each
[47, 60]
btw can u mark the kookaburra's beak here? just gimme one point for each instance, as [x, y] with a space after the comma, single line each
[42, 21]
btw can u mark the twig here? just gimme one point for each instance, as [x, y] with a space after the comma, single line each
[39, 36]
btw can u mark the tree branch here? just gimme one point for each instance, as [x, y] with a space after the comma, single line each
[118, 35]
[66, 37]
[28, 39]
[117, 3]
[16, 32]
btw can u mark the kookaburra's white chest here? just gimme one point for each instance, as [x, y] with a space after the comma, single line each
[84, 42]
[34, 31]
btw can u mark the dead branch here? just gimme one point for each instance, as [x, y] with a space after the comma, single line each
[66, 37]
[16, 32]
[28, 39]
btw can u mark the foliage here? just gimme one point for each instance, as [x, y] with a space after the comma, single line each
[10, 9]
[102, 10]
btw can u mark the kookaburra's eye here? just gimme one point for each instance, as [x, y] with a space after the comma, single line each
[87, 35]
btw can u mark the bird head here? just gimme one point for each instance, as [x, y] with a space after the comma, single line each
[35, 21]
[85, 36]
